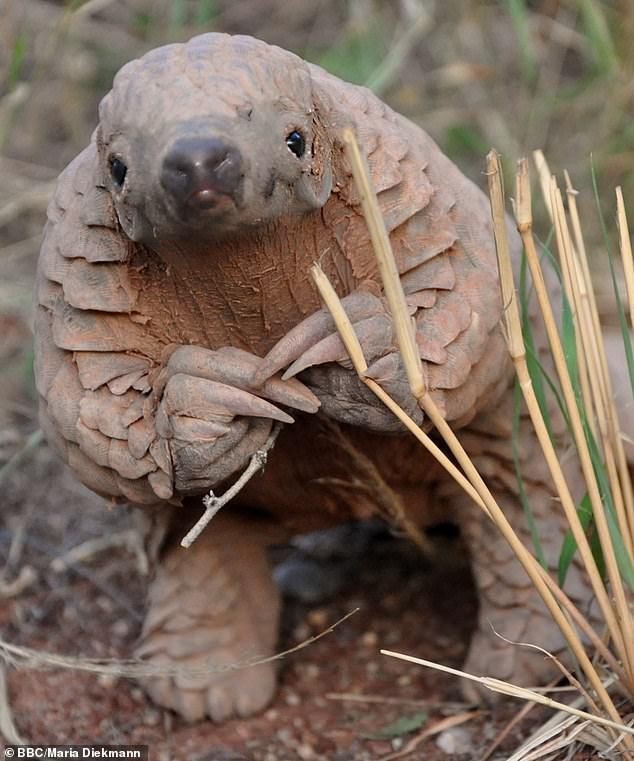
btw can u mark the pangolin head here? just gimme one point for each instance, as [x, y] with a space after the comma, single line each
[199, 140]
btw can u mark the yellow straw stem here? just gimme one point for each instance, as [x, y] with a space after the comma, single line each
[406, 338]
[353, 347]
[592, 337]
[626, 252]
[506, 688]
[387, 266]
[524, 224]
[623, 616]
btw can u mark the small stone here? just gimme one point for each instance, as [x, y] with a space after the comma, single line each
[455, 741]
[312, 670]
[286, 736]
[301, 632]
[369, 639]
[404, 680]
[393, 637]
[318, 618]
[152, 717]
[305, 752]
[105, 603]
[108, 680]
[121, 628]
[271, 714]
[292, 699]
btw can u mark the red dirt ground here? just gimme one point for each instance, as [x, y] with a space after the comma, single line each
[94, 609]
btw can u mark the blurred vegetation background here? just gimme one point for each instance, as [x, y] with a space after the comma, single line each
[514, 74]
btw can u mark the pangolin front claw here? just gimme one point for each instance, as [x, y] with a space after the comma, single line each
[301, 339]
[210, 400]
[236, 367]
[375, 336]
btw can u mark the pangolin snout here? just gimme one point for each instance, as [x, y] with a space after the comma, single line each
[202, 173]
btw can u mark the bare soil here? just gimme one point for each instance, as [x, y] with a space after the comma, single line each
[94, 609]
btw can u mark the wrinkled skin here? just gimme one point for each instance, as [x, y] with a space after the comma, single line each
[176, 321]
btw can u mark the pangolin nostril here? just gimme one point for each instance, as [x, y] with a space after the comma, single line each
[198, 168]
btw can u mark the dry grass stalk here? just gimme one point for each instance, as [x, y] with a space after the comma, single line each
[588, 295]
[625, 248]
[353, 347]
[499, 738]
[619, 621]
[524, 224]
[368, 480]
[614, 441]
[557, 352]
[549, 186]
[387, 265]
[562, 737]
[516, 347]
[591, 342]
[506, 688]
[135, 668]
[626, 252]
[8, 730]
[540, 580]
[558, 728]
[403, 324]
[544, 175]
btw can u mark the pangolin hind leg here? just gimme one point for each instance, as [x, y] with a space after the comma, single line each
[510, 606]
[212, 605]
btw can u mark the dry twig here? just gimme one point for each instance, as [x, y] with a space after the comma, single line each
[135, 668]
[213, 504]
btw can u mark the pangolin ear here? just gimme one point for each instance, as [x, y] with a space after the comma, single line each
[131, 220]
[133, 223]
[313, 189]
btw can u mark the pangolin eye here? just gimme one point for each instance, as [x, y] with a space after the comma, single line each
[296, 143]
[118, 171]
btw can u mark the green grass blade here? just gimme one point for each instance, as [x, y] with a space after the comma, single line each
[599, 38]
[569, 546]
[623, 559]
[356, 55]
[526, 505]
[16, 62]
[625, 330]
[535, 369]
[206, 12]
[178, 15]
[520, 18]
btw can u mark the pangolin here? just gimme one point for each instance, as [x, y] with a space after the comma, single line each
[177, 322]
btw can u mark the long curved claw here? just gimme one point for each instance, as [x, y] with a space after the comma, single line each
[329, 349]
[290, 393]
[315, 328]
[236, 367]
[205, 399]
[375, 335]
[294, 344]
